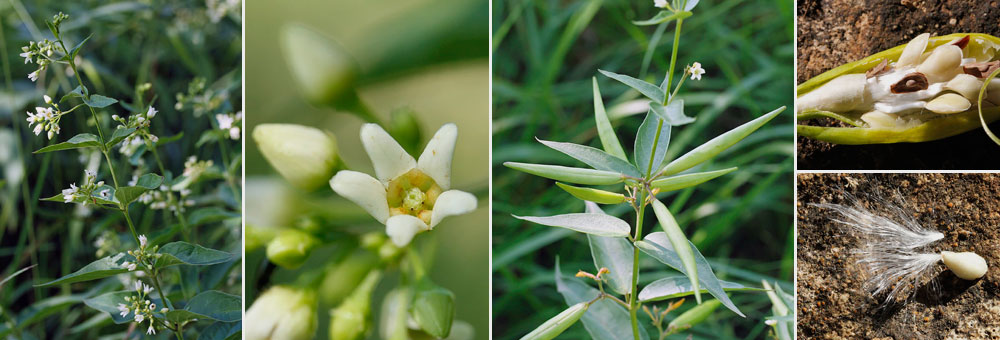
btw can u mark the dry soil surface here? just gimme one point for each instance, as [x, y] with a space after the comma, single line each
[835, 32]
[832, 304]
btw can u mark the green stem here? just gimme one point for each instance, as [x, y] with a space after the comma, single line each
[652, 155]
[418, 264]
[156, 283]
[131, 227]
[679, 83]
[634, 295]
[673, 55]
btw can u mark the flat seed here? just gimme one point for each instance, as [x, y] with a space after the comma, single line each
[942, 64]
[879, 119]
[913, 50]
[948, 103]
[966, 265]
[842, 94]
[966, 85]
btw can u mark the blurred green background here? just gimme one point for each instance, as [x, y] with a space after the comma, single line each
[429, 55]
[165, 43]
[545, 53]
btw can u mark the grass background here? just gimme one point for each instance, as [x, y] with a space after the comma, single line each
[545, 53]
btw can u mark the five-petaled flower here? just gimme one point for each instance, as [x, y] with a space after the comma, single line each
[660, 3]
[409, 196]
[696, 71]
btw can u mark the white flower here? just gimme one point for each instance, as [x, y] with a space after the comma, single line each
[225, 121]
[660, 3]
[142, 241]
[33, 76]
[139, 317]
[234, 133]
[38, 129]
[151, 112]
[150, 331]
[106, 193]
[123, 309]
[129, 265]
[696, 71]
[90, 173]
[409, 196]
[48, 100]
[281, 313]
[27, 56]
[70, 194]
[138, 286]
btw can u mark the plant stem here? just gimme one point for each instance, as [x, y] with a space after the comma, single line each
[131, 227]
[652, 155]
[156, 283]
[634, 296]
[418, 265]
[673, 56]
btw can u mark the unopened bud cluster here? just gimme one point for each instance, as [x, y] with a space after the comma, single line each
[139, 122]
[141, 307]
[145, 256]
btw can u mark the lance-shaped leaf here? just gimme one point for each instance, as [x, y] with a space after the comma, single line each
[99, 269]
[83, 140]
[604, 129]
[649, 90]
[781, 305]
[615, 254]
[119, 135]
[688, 180]
[126, 195]
[557, 324]
[650, 144]
[593, 157]
[658, 246]
[718, 144]
[76, 49]
[594, 224]
[98, 101]
[593, 195]
[672, 114]
[680, 244]
[78, 92]
[605, 319]
[179, 252]
[672, 287]
[568, 174]
[662, 17]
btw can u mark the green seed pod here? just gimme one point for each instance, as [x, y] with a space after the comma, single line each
[307, 157]
[325, 71]
[434, 309]
[392, 321]
[291, 248]
[404, 127]
[341, 279]
[688, 180]
[349, 321]
[559, 323]
[694, 315]
[593, 195]
[568, 174]
[281, 312]
[257, 237]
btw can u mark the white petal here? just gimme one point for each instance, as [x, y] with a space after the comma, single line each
[402, 228]
[452, 202]
[436, 159]
[389, 159]
[363, 190]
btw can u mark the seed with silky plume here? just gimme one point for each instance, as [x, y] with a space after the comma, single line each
[282, 313]
[966, 265]
[434, 309]
[324, 70]
[290, 248]
[307, 157]
[341, 279]
[349, 321]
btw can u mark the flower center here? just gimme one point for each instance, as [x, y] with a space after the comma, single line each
[413, 193]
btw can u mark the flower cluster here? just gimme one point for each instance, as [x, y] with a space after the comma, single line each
[139, 122]
[199, 99]
[165, 199]
[144, 256]
[193, 170]
[107, 243]
[141, 307]
[231, 123]
[39, 53]
[80, 194]
[218, 9]
[46, 119]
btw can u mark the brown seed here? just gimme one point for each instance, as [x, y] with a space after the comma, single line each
[981, 70]
[912, 82]
[961, 43]
[878, 69]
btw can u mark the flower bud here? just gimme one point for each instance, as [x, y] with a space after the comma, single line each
[257, 237]
[373, 240]
[306, 157]
[405, 129]
[394, 314]
[323, 69]
[291, 248]
[349, 321]
[342, 279]
[434, 309]
[281, 312]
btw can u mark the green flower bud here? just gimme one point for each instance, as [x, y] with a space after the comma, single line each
[291, 248]
[306, 157]
[373, 240]
[281, 312]
[349, 321]
[395, 307]
[405, 129]
[559, 323]
[324, 70]
[694, 315]
[389, 252]
[434, 309]
[257, 237]
[343, 278]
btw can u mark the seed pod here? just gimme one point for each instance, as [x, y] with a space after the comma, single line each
[966, 265]
[593, 195]
[306, 157]
[291, 248]
[942, 64]
[349, 321]
[966, 85]
[948, 103]
[557, 324]
[434, 309]
[694, 315]
[340, 280]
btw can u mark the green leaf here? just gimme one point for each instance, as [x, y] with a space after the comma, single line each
[171, 139]
[11, 276]
[781, 305]
[83, 140]
[593, 195]
[595, 224]
[672, 287]
[180, 316]
[126, 195]
[688, 180]
[216, 305]
[39, 311]
[658, 246]
[568, 174]
[119, 135]
[718, 144]
[210, 215]
[76, 49]
[694, 316]
[98, 101]
[593, 157]
[680, 244]
[646, 140]
[191, 254]
[99, 269]
[672, 114]
[651, 91]
[614, 253]
[78, 92]
[220, 330]
[662, 17]
[604, 129]
[605, 319]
